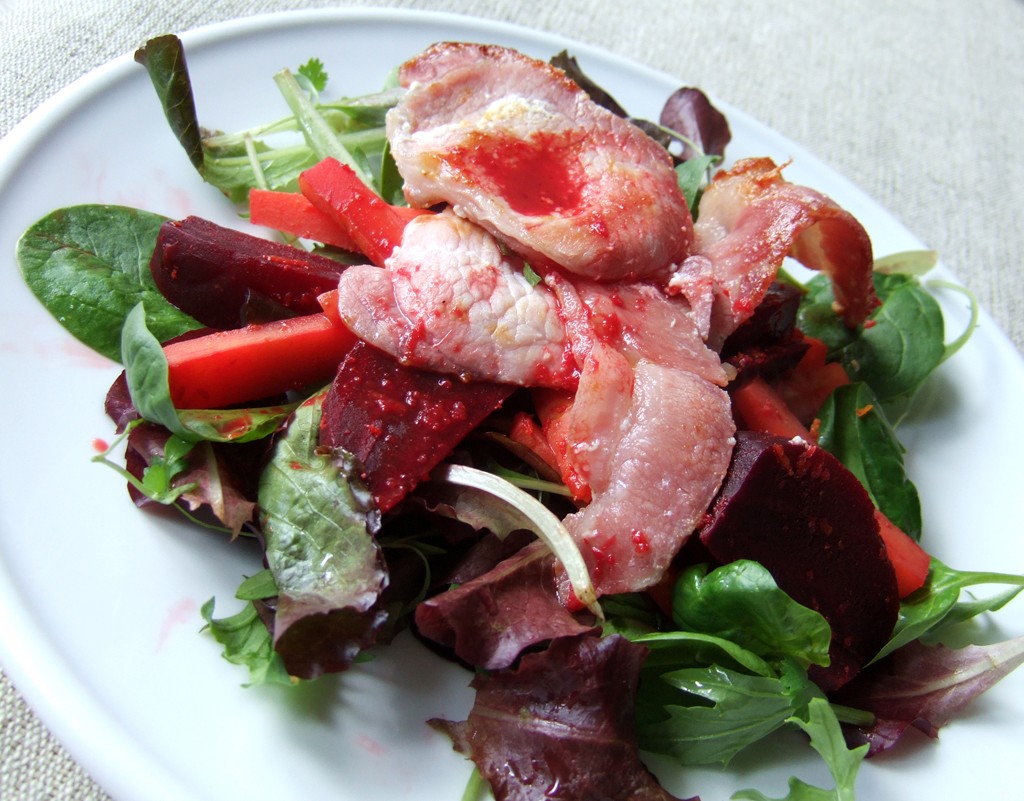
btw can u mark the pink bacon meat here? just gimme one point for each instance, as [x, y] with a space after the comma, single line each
[511, 143]
[653, 471]
[450, 300]
[647, 436]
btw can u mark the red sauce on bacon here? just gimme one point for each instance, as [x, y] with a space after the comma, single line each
[537, 176]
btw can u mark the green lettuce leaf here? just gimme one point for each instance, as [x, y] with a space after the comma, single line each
[319, 521]
[89, 266]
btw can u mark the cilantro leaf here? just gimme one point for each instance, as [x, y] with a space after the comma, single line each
[314, 72]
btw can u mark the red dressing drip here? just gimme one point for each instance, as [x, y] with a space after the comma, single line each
[537, 176]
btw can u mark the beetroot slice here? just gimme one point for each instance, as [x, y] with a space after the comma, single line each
[217, 274]
[400, 422]
[798, 511]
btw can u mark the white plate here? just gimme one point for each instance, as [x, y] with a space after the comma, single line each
[99, 602]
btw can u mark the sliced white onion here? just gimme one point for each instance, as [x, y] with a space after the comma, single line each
[537, 518]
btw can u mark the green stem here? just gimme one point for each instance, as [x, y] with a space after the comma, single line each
[855, 717]
[320, 135]
[961, 340]
[475, 787]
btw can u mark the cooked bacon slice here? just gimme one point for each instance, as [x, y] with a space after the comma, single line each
[638, 320]
[749, 220]
[513, 144]
[655, 454]
[450, 300]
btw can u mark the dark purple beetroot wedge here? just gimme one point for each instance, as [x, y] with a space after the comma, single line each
[772, 323]
[215, 274]
[798, 511]
[399, 421]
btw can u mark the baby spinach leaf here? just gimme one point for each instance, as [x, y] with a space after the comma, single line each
[938, 604]
[318, 522]
[855, 429]
[164, 60]
[899, 346]
[147, 373]
[89, 266]
[741, 602]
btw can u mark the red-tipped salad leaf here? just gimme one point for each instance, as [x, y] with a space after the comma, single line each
[703, 129]
[924, 687]
[318, 523]
[491, 619]
[561, 725]
[164, 60]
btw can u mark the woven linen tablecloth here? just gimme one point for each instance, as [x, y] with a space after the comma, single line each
[920, 103]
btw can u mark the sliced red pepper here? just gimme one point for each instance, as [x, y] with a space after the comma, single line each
[807, 386]
[248, 364]
[293, 213]
[909, 560]
[374, 226]
[758, 407]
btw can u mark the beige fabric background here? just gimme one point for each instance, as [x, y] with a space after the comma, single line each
[920, 102]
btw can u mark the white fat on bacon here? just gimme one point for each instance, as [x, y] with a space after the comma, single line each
[514, 145]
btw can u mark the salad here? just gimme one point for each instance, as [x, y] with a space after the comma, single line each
[691, 645]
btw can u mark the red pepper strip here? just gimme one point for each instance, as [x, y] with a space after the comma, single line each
[758, 407]
[909, 560]
[246, 365]
[807, 386]
[293, 213]
[374, 225]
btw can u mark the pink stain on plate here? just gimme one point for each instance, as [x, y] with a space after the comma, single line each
[370, 745]
[183, 612]
[83, 356]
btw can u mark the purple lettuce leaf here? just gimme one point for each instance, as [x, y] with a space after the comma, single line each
[689, 113]
[489, 620]
[561, 725]
[924, 687]
[212, 482]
